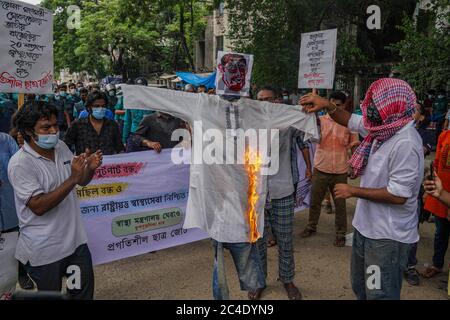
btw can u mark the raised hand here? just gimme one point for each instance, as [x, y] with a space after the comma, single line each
[94, 160]
[78, 167]
[313, 103]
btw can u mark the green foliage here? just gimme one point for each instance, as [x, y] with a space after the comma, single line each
[425, 51]
[271, 30]
[127, 37]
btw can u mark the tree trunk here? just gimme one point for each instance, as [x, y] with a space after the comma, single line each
[183, 38]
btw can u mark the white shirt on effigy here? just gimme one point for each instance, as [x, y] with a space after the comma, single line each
[398, 165]
[218, 193]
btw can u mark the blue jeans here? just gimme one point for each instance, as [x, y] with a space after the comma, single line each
[369, 256]
[248, 266]
[441, 238]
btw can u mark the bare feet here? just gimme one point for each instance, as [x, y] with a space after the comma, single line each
[292, 291]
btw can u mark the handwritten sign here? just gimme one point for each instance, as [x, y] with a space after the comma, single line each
[317, 59]
[26, 48]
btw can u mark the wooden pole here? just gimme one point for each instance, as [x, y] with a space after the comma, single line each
[20, 100]
[314, 91]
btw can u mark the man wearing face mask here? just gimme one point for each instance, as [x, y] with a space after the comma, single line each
[80, 106]
[390, 161]
[61, 102]
[95, 132]
[43, 174]
[112, 98]
[85, 112]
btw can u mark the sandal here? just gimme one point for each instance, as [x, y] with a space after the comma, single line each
[255, 294]
[307, 233]
[430, 272]
[339, 242]
[271, 243]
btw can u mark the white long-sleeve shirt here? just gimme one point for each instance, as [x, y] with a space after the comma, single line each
[218, 192]
[398, 165]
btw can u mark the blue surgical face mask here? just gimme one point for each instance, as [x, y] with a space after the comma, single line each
[98, 113]
[47, 141]
[112, 93]
[63, 93]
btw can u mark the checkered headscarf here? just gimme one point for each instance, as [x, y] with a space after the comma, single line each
[395, 102]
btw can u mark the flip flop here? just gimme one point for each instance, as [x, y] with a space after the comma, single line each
[339, 242]
[430, 272]
[271, 243]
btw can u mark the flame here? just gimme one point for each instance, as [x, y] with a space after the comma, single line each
[253, 164]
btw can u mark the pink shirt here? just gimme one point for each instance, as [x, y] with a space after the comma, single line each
[332, 152]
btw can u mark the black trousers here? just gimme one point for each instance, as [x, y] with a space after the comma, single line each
[49, 277]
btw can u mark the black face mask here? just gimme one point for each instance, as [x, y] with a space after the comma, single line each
[373, 115]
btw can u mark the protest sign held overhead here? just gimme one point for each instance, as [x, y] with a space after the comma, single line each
[317, 59]
[26, 48]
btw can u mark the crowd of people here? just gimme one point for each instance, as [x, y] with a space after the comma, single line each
[55, 142]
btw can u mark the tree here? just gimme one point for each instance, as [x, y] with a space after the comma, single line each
[271, 30]
[127, 37]
[425, 49]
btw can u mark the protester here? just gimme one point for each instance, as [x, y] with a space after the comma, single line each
[440, 111]
[72, 99]
[44, 174]
[429, 100]
[62, 105]
[295, 95]
[280, 215]
[447, 121]
[95, 132]
[112, 98]
[440, 211]
[155, 132]
[80, 106]
[8, 216]
[189, 88]
[201, 89]
[390, 163]
[7, 109]
[133, 117]
[330, 169]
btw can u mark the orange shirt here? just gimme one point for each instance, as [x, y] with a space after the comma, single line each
[442, 166]
[332, 152]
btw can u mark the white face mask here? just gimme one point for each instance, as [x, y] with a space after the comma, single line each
[73, 92]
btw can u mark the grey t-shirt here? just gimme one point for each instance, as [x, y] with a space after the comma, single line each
[55, 235]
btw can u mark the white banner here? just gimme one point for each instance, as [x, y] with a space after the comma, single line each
[317, 59]
[136, 204]
[26, 48]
